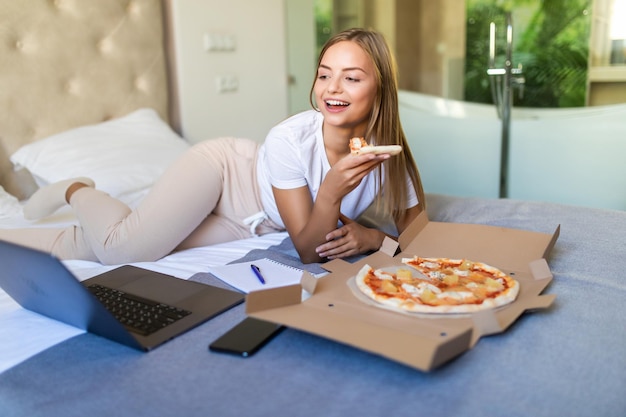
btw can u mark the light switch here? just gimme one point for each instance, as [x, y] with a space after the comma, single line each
[214, 42]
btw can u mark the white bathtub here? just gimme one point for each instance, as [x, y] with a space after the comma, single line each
[572, 156]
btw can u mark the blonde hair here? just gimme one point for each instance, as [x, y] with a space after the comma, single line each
[384, 126]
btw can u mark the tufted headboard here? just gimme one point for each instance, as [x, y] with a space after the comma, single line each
[68, 63]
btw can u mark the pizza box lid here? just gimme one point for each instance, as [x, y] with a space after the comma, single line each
[501, 247]
[327, 306]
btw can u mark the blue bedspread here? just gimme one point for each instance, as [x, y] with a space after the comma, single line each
[568, 360]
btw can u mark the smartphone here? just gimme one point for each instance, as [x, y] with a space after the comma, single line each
[247, 337]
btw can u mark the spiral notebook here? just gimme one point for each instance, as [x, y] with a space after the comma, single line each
[241, 275]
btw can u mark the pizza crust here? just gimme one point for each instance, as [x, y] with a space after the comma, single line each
[359, 146]
[408, 300]
[382, 149]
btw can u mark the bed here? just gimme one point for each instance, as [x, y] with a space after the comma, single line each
[567, 360]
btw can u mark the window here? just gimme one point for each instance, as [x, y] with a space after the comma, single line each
[572, 52]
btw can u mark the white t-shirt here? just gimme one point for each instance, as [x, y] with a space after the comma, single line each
[299, 159]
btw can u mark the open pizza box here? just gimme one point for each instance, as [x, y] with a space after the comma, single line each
[328, 307]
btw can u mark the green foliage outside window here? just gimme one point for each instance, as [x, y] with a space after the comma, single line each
[323, 23]
[551, 41]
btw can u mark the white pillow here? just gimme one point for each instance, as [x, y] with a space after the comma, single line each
[121, 155]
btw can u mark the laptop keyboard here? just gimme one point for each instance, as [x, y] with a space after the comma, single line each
[138, 314]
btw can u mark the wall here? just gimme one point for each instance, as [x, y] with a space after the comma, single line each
[430, 48]
[606, 78]
[426, 40]
[258, 63]
[301, 56]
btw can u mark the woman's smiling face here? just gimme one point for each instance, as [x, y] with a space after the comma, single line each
[345, 88]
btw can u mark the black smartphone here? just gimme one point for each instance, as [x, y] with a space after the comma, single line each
[247, 337]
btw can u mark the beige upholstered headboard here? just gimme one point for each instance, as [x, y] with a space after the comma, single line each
[68, 63]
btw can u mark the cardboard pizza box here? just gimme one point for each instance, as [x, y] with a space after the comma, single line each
[327, 306]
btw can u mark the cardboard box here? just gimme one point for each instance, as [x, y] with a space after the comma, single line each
[332, 311]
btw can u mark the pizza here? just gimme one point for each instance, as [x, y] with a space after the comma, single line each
[359, 146]
[438, 285]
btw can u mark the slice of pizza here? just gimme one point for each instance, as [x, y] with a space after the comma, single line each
[359, 146]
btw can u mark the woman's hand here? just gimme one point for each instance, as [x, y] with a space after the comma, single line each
[350, 239]
[346, 174]
[312, 225]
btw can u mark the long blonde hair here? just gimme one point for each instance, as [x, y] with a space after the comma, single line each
[384, 126]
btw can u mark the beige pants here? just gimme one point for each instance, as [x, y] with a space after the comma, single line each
[202, 199]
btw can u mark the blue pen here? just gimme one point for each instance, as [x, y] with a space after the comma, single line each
[257, 272]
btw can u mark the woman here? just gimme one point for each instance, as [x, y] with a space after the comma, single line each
[303, 179]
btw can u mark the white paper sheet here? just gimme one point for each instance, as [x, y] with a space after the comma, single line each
[242, 277]
[24, 333]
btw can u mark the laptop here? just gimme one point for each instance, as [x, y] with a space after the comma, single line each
[167, 306]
